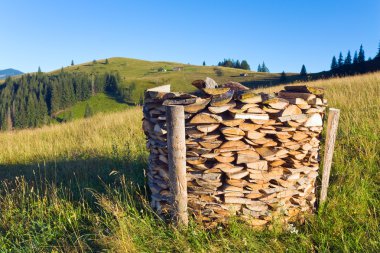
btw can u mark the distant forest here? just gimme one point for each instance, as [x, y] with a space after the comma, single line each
[32, 100]
[354, 65]
[231, 63]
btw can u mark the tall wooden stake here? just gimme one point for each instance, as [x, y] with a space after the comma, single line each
[332, 127]
[175, 118]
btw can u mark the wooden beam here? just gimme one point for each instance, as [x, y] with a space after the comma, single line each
[177, 163]
[332, 127]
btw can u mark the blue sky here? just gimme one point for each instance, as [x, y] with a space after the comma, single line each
[284, 34]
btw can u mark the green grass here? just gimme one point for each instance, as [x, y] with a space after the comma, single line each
[145, 74]
[84, 188]
[99, 103]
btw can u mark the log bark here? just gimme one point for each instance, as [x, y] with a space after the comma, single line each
[332, 126]
[177, 163]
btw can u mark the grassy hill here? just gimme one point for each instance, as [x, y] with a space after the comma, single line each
[146, 74]
[99, 103]
[84, 188]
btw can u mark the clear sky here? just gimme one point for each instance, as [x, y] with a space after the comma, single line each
[284, 34]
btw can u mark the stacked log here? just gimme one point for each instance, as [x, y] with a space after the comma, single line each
[250, 154]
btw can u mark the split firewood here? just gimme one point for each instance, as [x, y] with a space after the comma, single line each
[207, 128]
[252, 116]
[304, 89]
[232, 122]
[247, 153]
[248, 126]
[224, 159]
[249, 97]
[258, 165]
[305, 96]
[197, 106]
[247, 156]
[277, 103]
[235, 86]
[221, 109]
[291, 110]
[215, 91]
[222, 99]
[254, 135]
[232, 131]
[314, 120]
[205, 118]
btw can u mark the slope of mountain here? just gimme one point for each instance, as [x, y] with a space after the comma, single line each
[9, 72]
[146, 74]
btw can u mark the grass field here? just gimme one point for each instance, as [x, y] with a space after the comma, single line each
[101, 102]
[145, 74]
[79, 187]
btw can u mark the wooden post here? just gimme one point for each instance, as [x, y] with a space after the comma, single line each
[332, 127]
[175, 119]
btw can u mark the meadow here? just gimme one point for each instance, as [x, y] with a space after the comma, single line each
[80, 187]
[98, 103]
[145, 74]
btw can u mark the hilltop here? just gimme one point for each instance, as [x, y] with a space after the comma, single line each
[146, 74]
[9, 72]
[138, 75]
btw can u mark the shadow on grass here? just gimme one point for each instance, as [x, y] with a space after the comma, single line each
[76, 175]
[120, 99]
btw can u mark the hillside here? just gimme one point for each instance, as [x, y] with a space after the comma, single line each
[110, 212]
[146, 74]
[9, 72]
[129, 77]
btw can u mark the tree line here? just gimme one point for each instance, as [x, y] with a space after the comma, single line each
[33, 99]
[358, 63]
[262, 68]
[231, 63]
[348, 60]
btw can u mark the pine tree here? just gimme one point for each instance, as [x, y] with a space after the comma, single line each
[94, 61]
[378, 52]
[259, 68]
[264, 68]
[355, 59]
[244, 65]
[283, 77]
[88, 111]
[303, 70]
[340, 60]
[237, 64]
[334, 64]
[106, 61]
[204, 63]
[348, 59]
[9, 123]
[361, 57]
[72, 62]
[39, 70]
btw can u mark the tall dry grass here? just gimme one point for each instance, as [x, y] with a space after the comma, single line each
[86, 138]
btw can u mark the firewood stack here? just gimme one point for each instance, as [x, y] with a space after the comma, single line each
[249, 154]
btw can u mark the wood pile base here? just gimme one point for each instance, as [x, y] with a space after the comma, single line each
[247, 154]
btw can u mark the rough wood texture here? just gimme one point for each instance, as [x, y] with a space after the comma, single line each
[255, 157]
[331, 131]
[175, 118]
